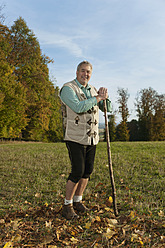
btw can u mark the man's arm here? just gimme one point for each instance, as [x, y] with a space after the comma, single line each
[69, 97]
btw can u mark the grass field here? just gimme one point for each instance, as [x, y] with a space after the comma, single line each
[32, 182]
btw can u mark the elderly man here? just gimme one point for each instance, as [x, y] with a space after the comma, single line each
[80, 106]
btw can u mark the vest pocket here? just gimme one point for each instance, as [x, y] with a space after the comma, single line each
[75, 130]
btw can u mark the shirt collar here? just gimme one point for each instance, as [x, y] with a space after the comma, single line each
[81, 86]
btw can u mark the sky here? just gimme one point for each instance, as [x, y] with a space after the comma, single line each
[123, 39]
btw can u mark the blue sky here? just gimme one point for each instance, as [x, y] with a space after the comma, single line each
[123, 39]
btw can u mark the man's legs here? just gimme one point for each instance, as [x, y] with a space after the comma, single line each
[81, 186]
[74, 191]
[68, 211]
[70, 189]
[75, 188]
[77, 199]
[82, 159]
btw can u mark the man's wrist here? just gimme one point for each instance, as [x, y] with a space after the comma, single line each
[98, 98]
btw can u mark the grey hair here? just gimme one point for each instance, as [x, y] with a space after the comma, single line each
[82, 63]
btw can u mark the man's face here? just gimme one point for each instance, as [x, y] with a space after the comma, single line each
[84, 74]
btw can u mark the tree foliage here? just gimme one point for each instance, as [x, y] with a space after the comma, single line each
[150, 125]
[122, 129]
[29, 102]
[159, 118]
[151, 115]
[133, 127]
[12, 103]
[112, 127]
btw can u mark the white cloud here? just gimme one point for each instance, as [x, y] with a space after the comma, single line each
[60, 40]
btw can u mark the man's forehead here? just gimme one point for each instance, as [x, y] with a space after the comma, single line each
[85, 67]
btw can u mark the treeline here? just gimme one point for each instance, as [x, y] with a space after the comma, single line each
[29, 102]
[150, 126]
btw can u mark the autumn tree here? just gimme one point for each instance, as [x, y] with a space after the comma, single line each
[150, 111]
[31, 69]
[112, 127]
[29, 102]
[133, 127]
[122, 129]
[159, 118]
[55, 132]
[12, 93]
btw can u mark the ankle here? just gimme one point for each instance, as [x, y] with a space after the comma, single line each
[77, 198]
[68, 202]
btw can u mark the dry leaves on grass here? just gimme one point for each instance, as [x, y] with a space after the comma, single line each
[44, 226]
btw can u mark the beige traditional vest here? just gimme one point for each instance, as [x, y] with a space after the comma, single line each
[83, 127]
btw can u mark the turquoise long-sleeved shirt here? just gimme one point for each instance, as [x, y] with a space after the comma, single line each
[69, 97]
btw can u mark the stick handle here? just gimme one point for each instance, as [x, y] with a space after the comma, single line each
[110, 160]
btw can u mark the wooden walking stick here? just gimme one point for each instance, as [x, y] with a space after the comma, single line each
[110, 160]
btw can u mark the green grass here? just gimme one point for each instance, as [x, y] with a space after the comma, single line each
[30, 168]
[139, 171]
[35, 174]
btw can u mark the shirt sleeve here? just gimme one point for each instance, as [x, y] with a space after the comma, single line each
[69, 97]
[109, 105]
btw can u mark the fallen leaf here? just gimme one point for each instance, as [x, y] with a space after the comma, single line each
[122, 243]
[132, 215]
[58, 235]
[2, 221]
[113, 221]
[79, 227]
[101, 212]
[74, 240]
[141, 242]
[16, 238]
[127, 227]
[48, 224]
[65, 227]
[134, 237]
[98, 218]
[108, 209]
[162, 238]
[96, 245]
[161, 213]
[121, 180]
[38, 195]
[110, 199]
[109, 233]
[98, 185]
[65, 242]
[141, 233]
[8, 245]
[88, 225]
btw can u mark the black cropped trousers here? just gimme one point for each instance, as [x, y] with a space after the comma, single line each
[82, 160]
